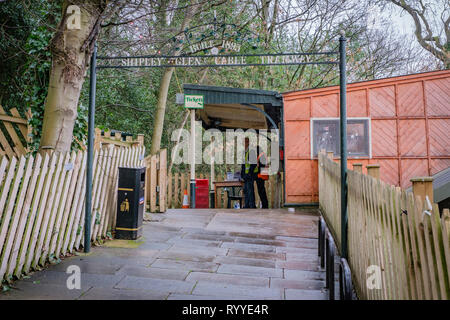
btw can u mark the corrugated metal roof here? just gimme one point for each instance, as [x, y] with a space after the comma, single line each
[406, 77]
[441, 185]
[225, 107]
[227, 95]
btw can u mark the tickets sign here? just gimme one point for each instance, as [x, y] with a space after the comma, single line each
[193, 101]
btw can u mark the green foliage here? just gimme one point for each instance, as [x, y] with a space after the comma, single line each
[126, 99]
[6, 288]
[79, 230]
[24, 79]
[35, 79]
[26, 61]
[80, 128]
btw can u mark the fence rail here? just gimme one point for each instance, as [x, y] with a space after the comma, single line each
[398, 247]
[14, 133]
[42, 205]
[115, 138]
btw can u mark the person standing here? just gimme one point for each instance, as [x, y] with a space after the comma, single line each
[248, 174]
[262, 176]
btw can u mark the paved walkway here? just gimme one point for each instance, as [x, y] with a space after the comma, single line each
[196, 254]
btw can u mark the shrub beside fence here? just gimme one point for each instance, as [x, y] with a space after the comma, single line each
[42, 205]
[391, 233]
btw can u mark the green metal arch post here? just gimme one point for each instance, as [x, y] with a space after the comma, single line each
[343, 136]
[90, 151]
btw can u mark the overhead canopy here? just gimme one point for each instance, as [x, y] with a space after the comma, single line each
[233, 108]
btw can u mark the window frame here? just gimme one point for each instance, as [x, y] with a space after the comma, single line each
[369, 133]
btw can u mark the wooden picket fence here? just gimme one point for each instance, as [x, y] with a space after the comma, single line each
[156, 181]
[391, 230]
[15, 135]
[178, 182]
[42, 205]
[14, 140]
[115, 138]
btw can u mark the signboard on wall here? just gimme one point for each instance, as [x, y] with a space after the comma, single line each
[326, 135]
[193, 101]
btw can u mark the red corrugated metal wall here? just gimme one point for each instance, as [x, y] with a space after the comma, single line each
[410, 128]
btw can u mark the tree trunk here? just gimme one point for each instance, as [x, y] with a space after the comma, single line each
[161, 110]
[163, 90]
[71, 48]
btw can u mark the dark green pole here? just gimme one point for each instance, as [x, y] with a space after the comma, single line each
[90, 151]
[343, 131]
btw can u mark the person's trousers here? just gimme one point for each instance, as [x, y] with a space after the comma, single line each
[262, 193]
[249, 194]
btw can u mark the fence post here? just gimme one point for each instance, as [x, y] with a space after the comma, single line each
[373, 170]
[343, 140]
[423, 187]
[90, 151]
[140, 140]
[162, 180]
[153, 182]
[29, 127]
[357, 167]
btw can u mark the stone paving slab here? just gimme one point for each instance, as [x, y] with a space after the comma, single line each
[296, 250]
[296, 284]
[256, 255]
[24, 290]
[249, 247]
[202, 231]
[298, 294]
[311, 257]
[303, 275]
[160, 236]
[250, 270]
[133, 259]
[187, 223]
[185, 265]
[177, 296]
[196, 254]
[298, 265]
[252, 235]
[258, 281]
[155, 285]
[87, 279]
[267, 242]
[245, 261]
[174, 255]
[245, 292]
[149, 272]
[122, 294]
[161, 226]
[194, 242]
[154, 245]
[198, 250]
[207, 236]
[88, 266]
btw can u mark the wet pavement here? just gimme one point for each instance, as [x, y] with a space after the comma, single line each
[189, 254]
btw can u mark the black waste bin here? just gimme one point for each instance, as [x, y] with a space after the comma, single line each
[130, 203]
